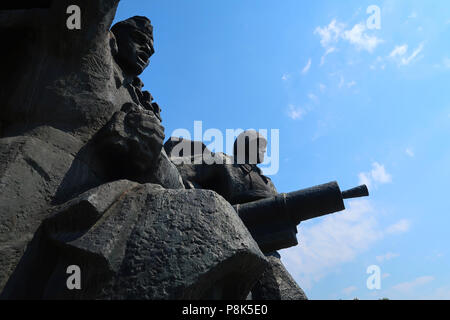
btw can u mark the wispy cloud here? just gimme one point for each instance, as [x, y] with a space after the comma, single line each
[357, 36]
[329, 51]
[360, 39]
[331, 33]
[296, 113]
[322, 87]
[286, 77]
[379, 62]
[400, 54]
[446, 62]
[334, 240]
[351, 84]
[410, 152]
[377, 175]
[386, 257]
[341, 81]
[413, 56]
[307, 67]
[409, 287]
[399, 227]
[313, 98]
[399, 51]
[348, 291]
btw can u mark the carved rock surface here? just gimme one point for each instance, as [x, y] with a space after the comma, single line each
[131, 140]
[276, 283]
[135, 241]
[165, 173]
[34, 172]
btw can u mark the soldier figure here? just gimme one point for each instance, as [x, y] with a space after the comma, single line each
[239, 180]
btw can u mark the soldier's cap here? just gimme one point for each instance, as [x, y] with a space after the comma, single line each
[138, 22]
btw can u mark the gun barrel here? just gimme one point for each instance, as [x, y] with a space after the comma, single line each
[314, 202]
[273, 221]
[357, 192]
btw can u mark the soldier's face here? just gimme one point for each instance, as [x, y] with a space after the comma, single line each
[135, 49]
[262, 146]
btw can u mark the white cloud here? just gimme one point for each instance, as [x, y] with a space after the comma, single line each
[348, 291]
[357, 36]
[400, 54]
[408, 60]
[322, 87]
[360, 39]
[399, 227]
[410, 152]
[410, 286]
[351, 84]
[330, 241]
[364, 178]
[378, 62]
[446, 63]
[313, 98]
[399, 51]
[330, 33]
[307, 67]
[334, 240]
[329, 51]
[286, 77]
[341, 82]
[296, 113]
[378, 174]
[387, 256]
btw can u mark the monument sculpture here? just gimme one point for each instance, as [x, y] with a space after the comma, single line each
[85, 180]
[271, 218]
[86, 183]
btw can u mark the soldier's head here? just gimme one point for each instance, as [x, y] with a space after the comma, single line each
[249, 148]
[134, 38]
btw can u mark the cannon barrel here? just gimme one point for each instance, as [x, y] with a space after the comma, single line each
[273, 221]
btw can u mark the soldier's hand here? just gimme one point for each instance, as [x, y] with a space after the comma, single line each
[134, 135]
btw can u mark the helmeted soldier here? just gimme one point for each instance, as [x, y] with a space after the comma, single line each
[239, 180]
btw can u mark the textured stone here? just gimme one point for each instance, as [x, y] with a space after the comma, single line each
[136, 241]
[33, 173]
[276, 283]
[131, 141]
[75, 85]
[164, 173]
[68, 222]
[243, 183]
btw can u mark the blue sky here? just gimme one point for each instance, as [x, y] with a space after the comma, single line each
[352, 104]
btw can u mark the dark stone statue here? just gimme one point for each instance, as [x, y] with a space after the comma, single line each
[271, 218]
[85, 180]
[133, 56]
[239, 180]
